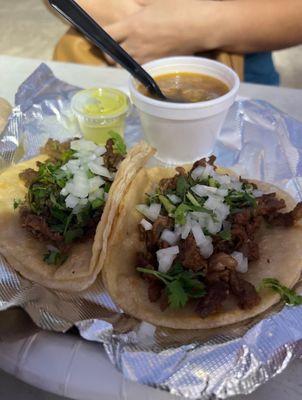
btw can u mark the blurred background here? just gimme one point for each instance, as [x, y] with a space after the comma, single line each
[32, 31]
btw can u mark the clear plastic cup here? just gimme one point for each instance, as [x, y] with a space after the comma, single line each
[184, 132]
[100, 111]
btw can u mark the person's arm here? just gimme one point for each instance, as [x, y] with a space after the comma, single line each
[109, 11]
[171, 27]
[259, 25]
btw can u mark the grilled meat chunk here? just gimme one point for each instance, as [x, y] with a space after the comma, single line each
[190, 255]
[245, 293]
[211, 303]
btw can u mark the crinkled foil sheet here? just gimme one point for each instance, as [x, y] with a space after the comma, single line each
[258, 141]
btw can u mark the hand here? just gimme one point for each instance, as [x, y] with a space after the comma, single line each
[163, 28]
[108, 12]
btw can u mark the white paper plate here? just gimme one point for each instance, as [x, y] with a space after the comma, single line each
[68, 366]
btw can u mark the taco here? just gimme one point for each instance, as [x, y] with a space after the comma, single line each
[191, 248]
[56, 210]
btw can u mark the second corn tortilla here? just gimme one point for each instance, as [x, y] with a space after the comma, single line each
[25, 253]
[280, 252]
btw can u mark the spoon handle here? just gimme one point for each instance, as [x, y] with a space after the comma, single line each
[70, 10]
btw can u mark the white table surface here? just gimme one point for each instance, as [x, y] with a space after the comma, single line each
[288, 385]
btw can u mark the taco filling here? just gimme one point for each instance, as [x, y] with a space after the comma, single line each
[67, 193]
[200, 230]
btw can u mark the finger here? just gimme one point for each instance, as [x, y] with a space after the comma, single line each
[118, 31]
[144, 2]
[109, 60]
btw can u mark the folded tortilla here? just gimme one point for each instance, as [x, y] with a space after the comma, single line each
[280, 258]
[25, 253]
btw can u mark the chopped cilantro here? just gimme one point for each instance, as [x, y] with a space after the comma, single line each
[182, 186]
[55, 257]
[72, 234]
[182, 210]
[181, 284]
[225, 235]
[119, 144]
[107, 187]
[17, 203]
[192, 199]
[289, 296]
[213, 183]
[237, 200]
[97, 203]
[169, 207]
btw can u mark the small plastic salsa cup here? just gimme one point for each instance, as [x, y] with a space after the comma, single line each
[100, 111]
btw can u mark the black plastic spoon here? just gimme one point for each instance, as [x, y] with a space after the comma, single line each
[70, 10]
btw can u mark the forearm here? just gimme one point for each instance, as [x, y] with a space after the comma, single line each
[254, 25]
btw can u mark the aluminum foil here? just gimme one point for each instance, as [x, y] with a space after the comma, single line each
[257, 141]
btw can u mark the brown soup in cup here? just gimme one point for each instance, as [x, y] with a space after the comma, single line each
[188, 87]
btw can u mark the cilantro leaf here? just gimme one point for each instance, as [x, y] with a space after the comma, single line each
[181, 284]
[17, 203]
[97, 203]
[107, 187]
[181, 212]
[192, 199]
[237, 200]
[177, 295]
[169, 207]
[289, 296]
[72, 234]
[119, 144]
[225, 235]
[181, 186]
[55, 257]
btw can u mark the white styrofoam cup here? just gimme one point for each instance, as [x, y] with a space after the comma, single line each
[184, 132]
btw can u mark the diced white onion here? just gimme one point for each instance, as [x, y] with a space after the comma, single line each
[198, 234]
[165, 258]
[99, 151]
[222, 211]
[186, 228]
[151, 212]
[97, 194]
[174, 199]
[168, 251]
[99, 170]
[213, 227]
[197, 172]
[203, 190]
[257, 193]
[146, 224]
[95, 183]
[79, 187]
[83, 145]
[223, 179]
[71, 201]
[212, 203]
[242, 262]
[206, 249]
[170, 237]
[208, 171]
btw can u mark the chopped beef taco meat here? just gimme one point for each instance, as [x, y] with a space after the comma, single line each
[200, 230]
[190, 255]
[211, 302]
[66, 194]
